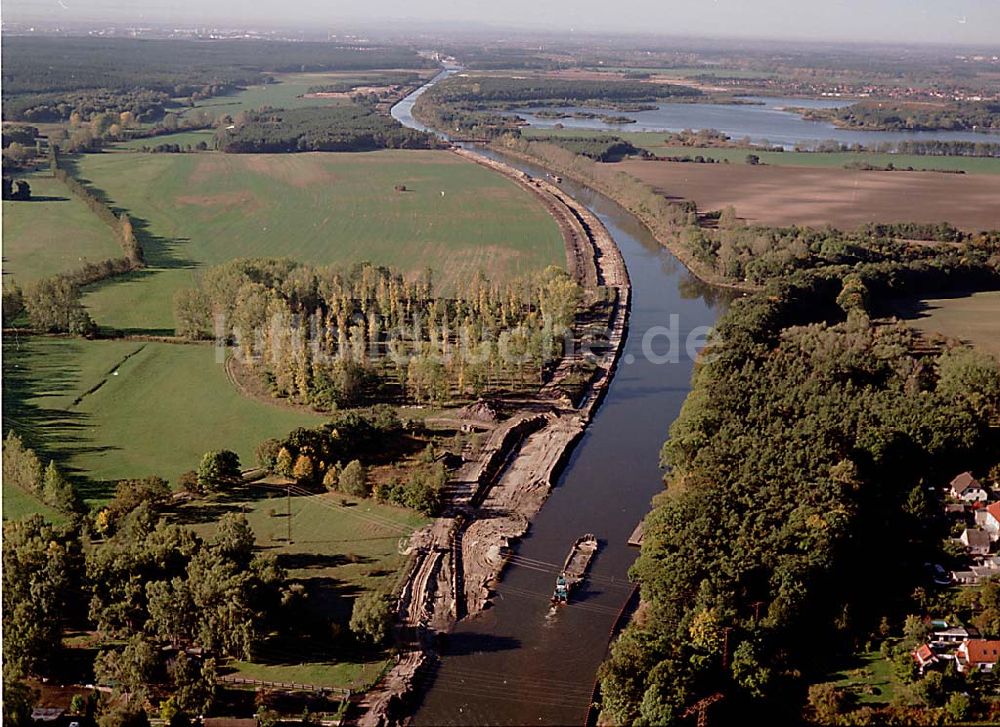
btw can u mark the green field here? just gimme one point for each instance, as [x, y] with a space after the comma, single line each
[655, 143]
[159, 408]
[871, 680]
[53, 233]
[340, 547]
[197, 210]
[287, 93]
[974, 319]
[19, 504]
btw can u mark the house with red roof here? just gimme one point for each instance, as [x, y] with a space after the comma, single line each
[924, 657]
[978, 654]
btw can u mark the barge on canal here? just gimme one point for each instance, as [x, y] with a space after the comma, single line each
[575, 568]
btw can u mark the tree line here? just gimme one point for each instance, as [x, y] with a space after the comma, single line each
[333, 336]
[599, 148]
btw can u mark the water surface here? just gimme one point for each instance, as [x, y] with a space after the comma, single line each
[767, 122]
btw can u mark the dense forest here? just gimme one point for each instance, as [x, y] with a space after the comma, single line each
[532, 90]
[334, 337]
[50, 79]
[797, 518]
[956, 116]
[346, 127]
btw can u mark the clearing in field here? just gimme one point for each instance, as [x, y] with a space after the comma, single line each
[842, 198]
[198, 210]
[52, 233]
[117, 409]
[974, 319]
[341, 547]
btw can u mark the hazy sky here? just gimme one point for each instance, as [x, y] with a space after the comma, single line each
[945, 21]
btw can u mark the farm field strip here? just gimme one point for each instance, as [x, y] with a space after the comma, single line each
[839, 197]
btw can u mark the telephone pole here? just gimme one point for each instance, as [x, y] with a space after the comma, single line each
[288, 511]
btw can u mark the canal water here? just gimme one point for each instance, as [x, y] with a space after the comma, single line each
[519, 662]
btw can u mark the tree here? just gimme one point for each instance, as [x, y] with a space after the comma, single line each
[194, 683]
[235, 539]
[930, 690]
[354, 480]
[188, 482]
[284, 463]
[53, 305]
[267, 454]
[57, 491]
[958, 707]
[37, 575]
[18, 701]
[826, 703]
[303, 471]
[13, 302]
[371, 617]
[129, 670]
[218, 469]
[78, 704]
[20, 465]
[192, 314]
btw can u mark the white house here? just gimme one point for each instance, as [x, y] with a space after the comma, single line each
[967, 488]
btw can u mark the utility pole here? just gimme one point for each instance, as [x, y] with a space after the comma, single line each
[700, 708]
[725, 646]
[288, 511]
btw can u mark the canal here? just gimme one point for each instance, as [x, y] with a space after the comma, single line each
[519, 662]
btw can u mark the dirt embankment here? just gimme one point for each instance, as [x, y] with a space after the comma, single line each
[494, 495]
